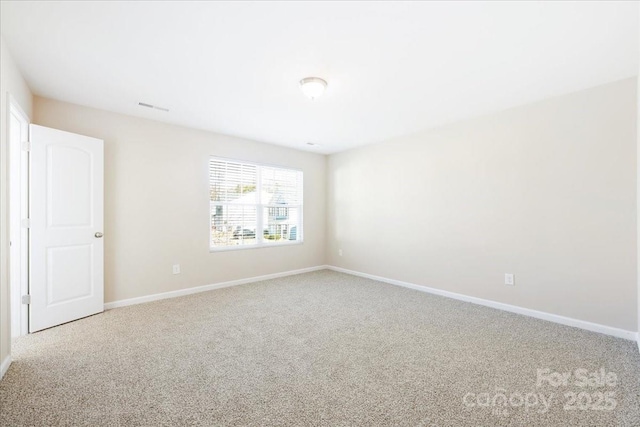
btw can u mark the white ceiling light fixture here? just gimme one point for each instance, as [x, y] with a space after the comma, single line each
[313, 87]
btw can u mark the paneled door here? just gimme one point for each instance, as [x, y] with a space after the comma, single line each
[66, 225]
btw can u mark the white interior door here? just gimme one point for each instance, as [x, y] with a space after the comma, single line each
[66, 224]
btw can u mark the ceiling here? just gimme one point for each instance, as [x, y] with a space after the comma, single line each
[393, 68]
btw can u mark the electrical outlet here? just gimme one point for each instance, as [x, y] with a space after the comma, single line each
[509, 279]
[339, 252]
[176, 269]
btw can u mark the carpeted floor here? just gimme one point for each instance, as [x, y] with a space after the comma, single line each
[322, 348]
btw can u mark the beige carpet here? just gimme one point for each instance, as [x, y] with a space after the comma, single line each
[322, 348]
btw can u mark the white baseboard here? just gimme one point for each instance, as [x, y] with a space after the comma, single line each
[204, 288]
[594, 327]
[582, 324]
[4, 367]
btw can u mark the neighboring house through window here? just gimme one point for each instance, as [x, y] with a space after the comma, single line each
[254, 205]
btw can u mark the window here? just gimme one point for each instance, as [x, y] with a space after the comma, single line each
[253, 205]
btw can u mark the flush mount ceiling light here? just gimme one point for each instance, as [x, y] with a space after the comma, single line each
[313, 87]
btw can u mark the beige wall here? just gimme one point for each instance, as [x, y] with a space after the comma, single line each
[546, 191]
[11, 82]
[157, 205]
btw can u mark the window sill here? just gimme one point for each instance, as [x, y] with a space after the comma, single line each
[256, 246]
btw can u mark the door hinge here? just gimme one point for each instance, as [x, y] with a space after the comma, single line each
[26, 223]
[26, 146]
[26, 299]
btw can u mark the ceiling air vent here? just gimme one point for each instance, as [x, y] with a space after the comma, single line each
[155, 107]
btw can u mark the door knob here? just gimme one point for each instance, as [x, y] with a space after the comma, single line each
[99, 235]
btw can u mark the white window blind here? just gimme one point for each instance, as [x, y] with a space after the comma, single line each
[254, 205]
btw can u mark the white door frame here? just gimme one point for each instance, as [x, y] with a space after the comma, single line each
[18, 198]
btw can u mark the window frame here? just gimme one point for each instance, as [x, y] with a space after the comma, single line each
[261, 242]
